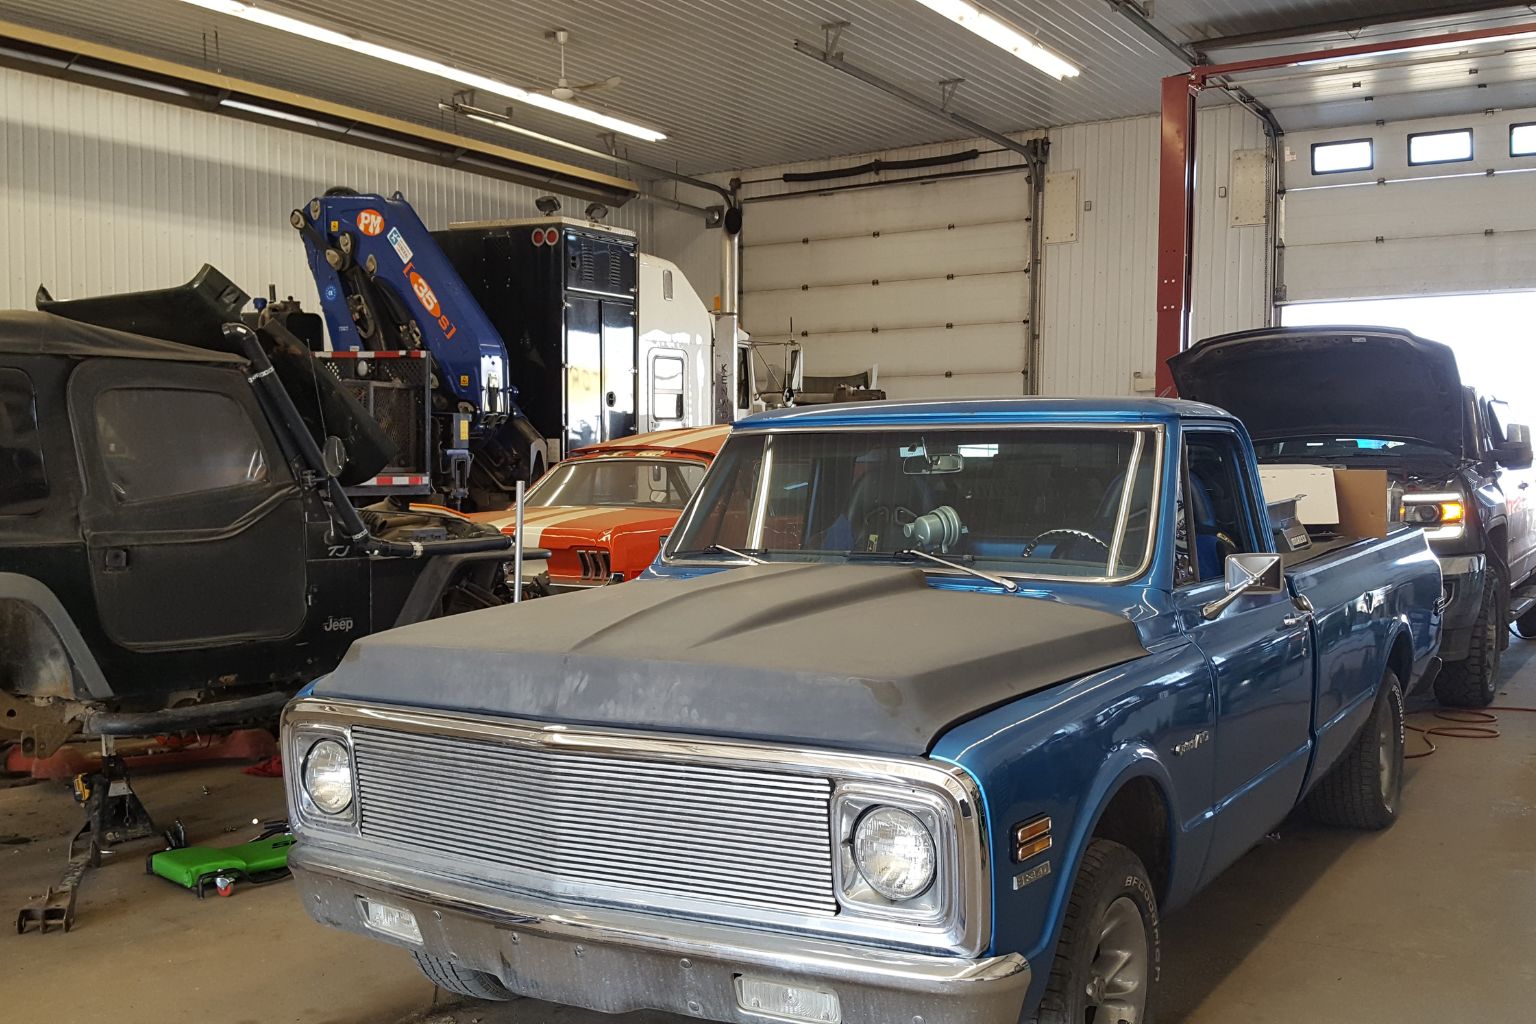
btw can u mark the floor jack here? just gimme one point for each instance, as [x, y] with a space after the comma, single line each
[113, 815]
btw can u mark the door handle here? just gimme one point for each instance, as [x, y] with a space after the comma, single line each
[1291, 621]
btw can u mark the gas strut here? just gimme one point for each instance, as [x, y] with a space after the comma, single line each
[345, 518]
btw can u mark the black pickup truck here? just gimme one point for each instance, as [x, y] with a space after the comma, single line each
[1384, 398]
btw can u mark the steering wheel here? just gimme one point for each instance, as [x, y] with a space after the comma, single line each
[1029, 549]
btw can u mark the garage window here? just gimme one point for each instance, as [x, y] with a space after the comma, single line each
[1439, 147]
[23, 484]
[1522, 139]
[1336, 157]
[164, 442]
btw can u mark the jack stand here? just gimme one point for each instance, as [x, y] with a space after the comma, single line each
[113, 815]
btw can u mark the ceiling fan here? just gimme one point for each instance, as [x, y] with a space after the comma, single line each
[563, 89]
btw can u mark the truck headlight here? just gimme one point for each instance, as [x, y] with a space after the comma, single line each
[1441, 515]
[894, 853]
[328, 775]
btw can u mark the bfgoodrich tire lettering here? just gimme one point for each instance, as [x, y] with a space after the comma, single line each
[1109, 957]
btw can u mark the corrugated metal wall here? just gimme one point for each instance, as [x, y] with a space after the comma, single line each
[1098, 302]
[103, 192]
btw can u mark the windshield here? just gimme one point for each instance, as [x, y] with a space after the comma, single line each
[1064, 502]
[619, 482]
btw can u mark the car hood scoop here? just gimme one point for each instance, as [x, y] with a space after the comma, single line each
[857, 657]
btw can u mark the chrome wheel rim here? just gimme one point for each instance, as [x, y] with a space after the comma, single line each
[1117, 978]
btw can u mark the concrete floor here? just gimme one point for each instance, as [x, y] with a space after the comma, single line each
[1430, 921]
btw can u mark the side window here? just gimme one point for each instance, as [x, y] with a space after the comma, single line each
[1216, 503]
[744, 378]
[669, 375]
[164, 442]
[23, 482]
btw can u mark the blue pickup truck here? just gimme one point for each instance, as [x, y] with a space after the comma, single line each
[926, 713]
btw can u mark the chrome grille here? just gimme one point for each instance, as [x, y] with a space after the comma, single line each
[559, 821]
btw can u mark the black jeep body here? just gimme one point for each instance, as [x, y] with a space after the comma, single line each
[170, 556]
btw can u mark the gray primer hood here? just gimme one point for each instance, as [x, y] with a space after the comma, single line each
[857, 657]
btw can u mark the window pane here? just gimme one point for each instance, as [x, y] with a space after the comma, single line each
[1332, 157]
[1522, 140]
[618, 483]
[161, 442]
[23, 484]
[667, 387]
[1039, 502]
[1440, 147]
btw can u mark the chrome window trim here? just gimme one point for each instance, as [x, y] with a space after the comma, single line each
[685, 521]
[966, 927]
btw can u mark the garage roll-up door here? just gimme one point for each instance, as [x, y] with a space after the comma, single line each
[928, 281]
[1395, 229]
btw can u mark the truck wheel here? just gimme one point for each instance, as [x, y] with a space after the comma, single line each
[462, 981]
[1473, 683]
[1365, 789]
[1109, 957]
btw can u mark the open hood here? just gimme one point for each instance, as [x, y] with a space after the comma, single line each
[1294, 382]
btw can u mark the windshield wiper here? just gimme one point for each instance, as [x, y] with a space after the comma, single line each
[723, 550]
[1006, 584]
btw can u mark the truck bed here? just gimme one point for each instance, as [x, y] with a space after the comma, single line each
[1327, 543]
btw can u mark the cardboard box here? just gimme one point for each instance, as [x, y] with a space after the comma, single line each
[1314, 484]
[1362, 497]
[1353, 501]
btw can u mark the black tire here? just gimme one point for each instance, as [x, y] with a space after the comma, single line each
[1110, 874]
[1365, 789]
[462, 981]
[1473, 683]
[1525, 626]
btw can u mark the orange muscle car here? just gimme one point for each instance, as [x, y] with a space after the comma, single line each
[602, 512]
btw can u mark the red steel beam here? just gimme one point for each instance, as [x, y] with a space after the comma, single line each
[1204, 72]
[1175, 222]
[1176, 169]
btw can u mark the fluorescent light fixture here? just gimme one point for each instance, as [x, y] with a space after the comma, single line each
[283, 23]
[279, 115]
[1000, 33]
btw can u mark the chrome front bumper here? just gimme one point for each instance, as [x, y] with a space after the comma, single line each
[615, 961]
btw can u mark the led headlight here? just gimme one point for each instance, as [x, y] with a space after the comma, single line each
[894, 852]
[1441, 515]
[328, 775]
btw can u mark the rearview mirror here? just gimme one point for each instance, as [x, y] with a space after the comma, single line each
[1515, 452]
[1248, 574]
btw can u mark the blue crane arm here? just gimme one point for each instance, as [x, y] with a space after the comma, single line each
[385, 284]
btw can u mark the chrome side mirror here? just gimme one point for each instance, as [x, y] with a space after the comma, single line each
[1248, 574]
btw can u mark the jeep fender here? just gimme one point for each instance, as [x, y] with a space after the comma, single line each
[88, 682]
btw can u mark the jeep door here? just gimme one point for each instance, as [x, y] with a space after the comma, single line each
[194, 523]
